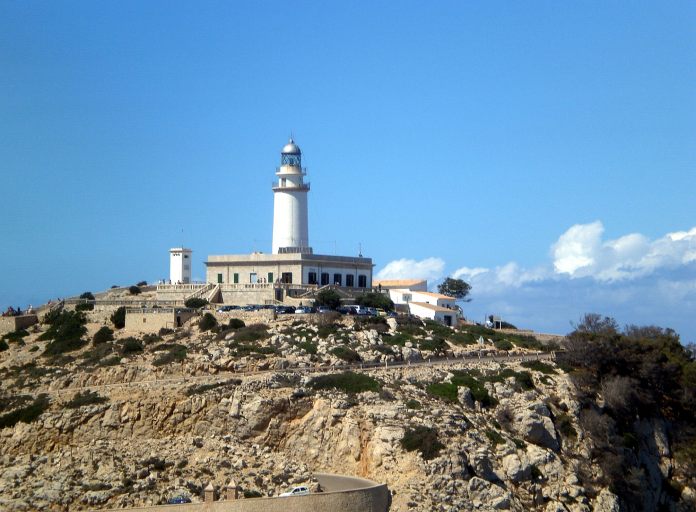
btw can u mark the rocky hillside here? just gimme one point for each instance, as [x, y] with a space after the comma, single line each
[92, 417]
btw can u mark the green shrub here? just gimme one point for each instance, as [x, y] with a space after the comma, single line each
[462, 338]
[564, 425]
[51, 316]
[346, 354]
[118, 318]
[308, 346]
[3, 345]
[97, 353]
[411, 330]
[207, 322]
[174, 352]
[103, 335]
[67, 326]
[25, 414]
[164, 331]
[349, 382]
[87, 296]
[195, 303]
[375, 300]
[478, 391]
[329, 298]
[86, 398]
[494, 437]
[539, 366]
[134, 290]
[131, 346]
[444, 390]
[503, 344]
[84, 306]
[325, 330]
[423, 439]
[251, 493]
[15, 336]
[399, 339]
[433, 345]
[413, 404]
[437, 328]
[236, 323]
[250, 333]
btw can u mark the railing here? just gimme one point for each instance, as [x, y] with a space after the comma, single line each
[180, 287]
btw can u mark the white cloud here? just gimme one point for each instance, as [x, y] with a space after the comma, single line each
[581, 252]
[431, 269]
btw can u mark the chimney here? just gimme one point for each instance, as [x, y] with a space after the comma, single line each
[209, 493]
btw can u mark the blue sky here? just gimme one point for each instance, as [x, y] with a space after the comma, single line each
[491, 140]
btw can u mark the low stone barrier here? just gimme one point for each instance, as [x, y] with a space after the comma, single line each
[15, 323]
[341, 493]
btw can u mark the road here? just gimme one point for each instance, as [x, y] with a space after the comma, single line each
[253, 375]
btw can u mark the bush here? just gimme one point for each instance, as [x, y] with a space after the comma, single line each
[444, 390]
[174, 353]
[195, 303]
[134, 290]
[26, 414]
[84, 306]
[86, 398]
[478, 391]
[142, 283]
[51, 316]
[65, 333]
[236, 323]
[345, 353]
[503, 345]
[3, 345]
[539, 366]
[348, 382]
[329, 298]
[164, 331]
[308, 346]
[494, 437]
[253, 332]
[103, 335]
[461, 338]
[437, 328]
[87, 296]
[436, 344]
[118, 318]
[413, 404]
[325, 330]
[131, 346]
[207, 322]
[15, 336]
[424, 439]
[411, 330]
[375, 300]
[399, 339]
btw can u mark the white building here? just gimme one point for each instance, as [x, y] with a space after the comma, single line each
[180, 265]
[434, 306]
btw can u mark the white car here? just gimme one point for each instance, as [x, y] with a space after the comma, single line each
[296, 491]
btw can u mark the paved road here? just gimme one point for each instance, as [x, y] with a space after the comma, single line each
[253, 375]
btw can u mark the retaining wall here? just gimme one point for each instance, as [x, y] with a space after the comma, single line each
[14, 323]
[342, 494]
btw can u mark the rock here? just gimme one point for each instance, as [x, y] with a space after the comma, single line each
[465, 397]
[515, 469]
[490, 495]
[534, 424]
[607, 501]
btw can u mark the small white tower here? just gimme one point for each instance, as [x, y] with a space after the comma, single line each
[290, 229]
[180, 265]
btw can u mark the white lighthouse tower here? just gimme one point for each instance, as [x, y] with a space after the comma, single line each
[290, 229]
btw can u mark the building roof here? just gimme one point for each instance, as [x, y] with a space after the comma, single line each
[398, 283]
[291, 148]
[436, 295]
[433, 307]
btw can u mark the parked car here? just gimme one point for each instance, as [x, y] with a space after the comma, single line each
[178, 500]
[304, 310]
[324, 309]
[285, 310]
[347, 310]
[296, 491]
[223, 309]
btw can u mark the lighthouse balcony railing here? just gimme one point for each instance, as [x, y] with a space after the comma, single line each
[291, 186]
[302, 172]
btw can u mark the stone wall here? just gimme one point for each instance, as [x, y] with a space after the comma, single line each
[14, 323]
[152, 320]
[343, 493]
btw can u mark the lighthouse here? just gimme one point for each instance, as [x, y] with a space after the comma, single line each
[290, 224]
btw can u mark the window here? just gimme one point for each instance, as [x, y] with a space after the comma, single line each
[338, 279]
[253, 278]
[324, 278]
[235, 278]
[350, 280]
[312, 278]
[219, 278]
[185, 256]
[286, 277]
[270, 277]
[362, 281]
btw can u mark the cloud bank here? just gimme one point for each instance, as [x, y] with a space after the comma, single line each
[634, 278]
